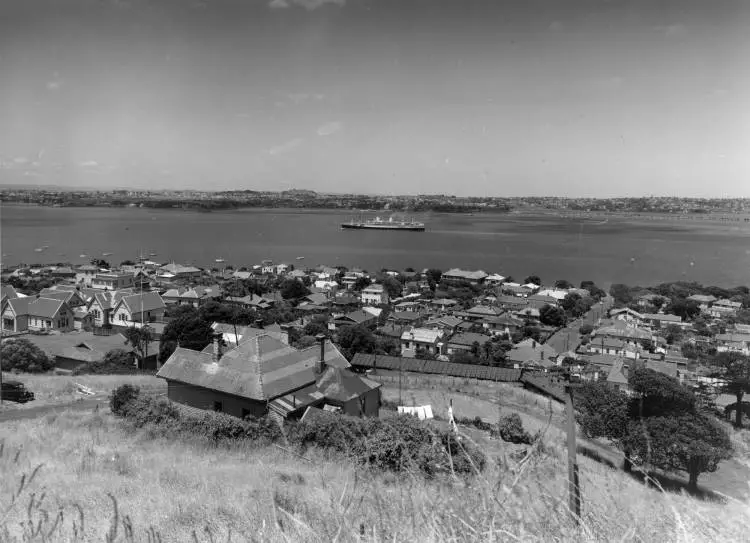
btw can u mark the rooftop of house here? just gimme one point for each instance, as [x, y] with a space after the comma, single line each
[261, 368]
[45, 308]
[468, 338]
[144, 301]
[465, 274]
[664, 317]
[421, 335]
[531, 350]
[59, 344]
[343, 385]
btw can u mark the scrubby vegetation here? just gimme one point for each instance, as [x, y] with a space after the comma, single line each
[400, 443]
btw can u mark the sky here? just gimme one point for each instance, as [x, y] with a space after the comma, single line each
[587, 98]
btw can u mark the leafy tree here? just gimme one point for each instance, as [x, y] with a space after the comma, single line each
[116, 361]
[305, 341]
[291, 289]
[585, 329]
[691, 442]
[552, 316]
[213, 311]
[434, 275]
[392, 286]
[595, 291]
[533, 279]
[318, 325]
[139, 339]
[99, 263]
[362, 283]
[673, 334]
[621, 293]
[22, 355]
[563, 284]
[189, 331]
[734, 369]
[356, 339]
[463, 357]
[682, 307]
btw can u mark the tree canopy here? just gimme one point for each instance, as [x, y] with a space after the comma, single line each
[734, 369]
[552, 316]
[533, 279]
[292, 289]
[661, 424]
[22, 355]
[189, 330]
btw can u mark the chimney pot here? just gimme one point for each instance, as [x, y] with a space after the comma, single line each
[217, 349]
[320, 365]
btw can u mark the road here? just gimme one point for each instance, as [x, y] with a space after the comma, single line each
[82, 404]
[567, 339]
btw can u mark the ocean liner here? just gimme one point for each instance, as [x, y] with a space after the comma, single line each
[379, 224]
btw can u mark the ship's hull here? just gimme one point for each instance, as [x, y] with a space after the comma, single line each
[365, 226]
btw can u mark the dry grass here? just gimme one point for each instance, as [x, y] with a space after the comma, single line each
[89, 464]
[58, 389]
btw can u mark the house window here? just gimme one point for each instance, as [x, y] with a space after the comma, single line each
[218, 407]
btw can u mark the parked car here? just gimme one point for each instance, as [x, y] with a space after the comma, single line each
[15, 391]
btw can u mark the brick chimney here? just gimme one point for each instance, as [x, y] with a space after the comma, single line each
[216, 356]
[320, 363]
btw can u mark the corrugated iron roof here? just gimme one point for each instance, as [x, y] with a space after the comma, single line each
[435, 367]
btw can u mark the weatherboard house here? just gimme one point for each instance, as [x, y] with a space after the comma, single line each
[264, 375]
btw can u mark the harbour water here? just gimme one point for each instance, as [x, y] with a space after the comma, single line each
[632, 251]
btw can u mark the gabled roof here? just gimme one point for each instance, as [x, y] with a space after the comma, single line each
[9, 291]
[529, 350]
[421, 335]
[344, 385]
[468, 338]
[617, 373]
[146, 301]
[484, 310]
[45, 308]
[448, 320]
[358, 317]
[664, 317]
[63, 295]
[262, 368]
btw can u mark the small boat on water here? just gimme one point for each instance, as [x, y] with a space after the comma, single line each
[300, 258]
[39, 249]
[107, 254]
[152, 254]
[219, 260]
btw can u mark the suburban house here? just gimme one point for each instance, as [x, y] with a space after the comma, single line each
[374, 294]
[617, 378]
[626, 314]
[113, 281]
[457, 276]
[494, 279]
[350, 278]
[447, 324]
[443, 304]
[63, 272]
[73, 349]
[416, 339]
[615, 346]
[73, 298]
[359, 317]
[36, 313]
[7, 293]
[142, 307]
[262, 376]
[251, 301]
[85, 274]
[502, 324]
[178, 271]
[733, 342]
[650, 300]
[233, 335]
[195, 296]
[532, 353]
[464, 342]
[661, 319]
[101, 305]
[410, 318]
[723, 308]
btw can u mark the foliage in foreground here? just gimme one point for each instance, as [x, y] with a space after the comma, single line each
[401, 443]
[660, 425]
[20, 354]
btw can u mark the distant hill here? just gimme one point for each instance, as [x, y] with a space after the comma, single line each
[300, 193]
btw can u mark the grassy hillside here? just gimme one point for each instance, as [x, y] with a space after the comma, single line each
[90, 463]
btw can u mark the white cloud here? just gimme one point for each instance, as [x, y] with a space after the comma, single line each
[329, 128]
[278, 4]
[89, 164]
[285, 147]
[556, 26]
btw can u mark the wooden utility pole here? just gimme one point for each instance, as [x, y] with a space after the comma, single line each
[574, 488]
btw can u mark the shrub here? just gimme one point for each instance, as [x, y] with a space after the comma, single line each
[115, 362]
[20, 354]
[476, 422]
[510, 428]
[220, 427]
[585, 329]
[145, 410]
[121, 397]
